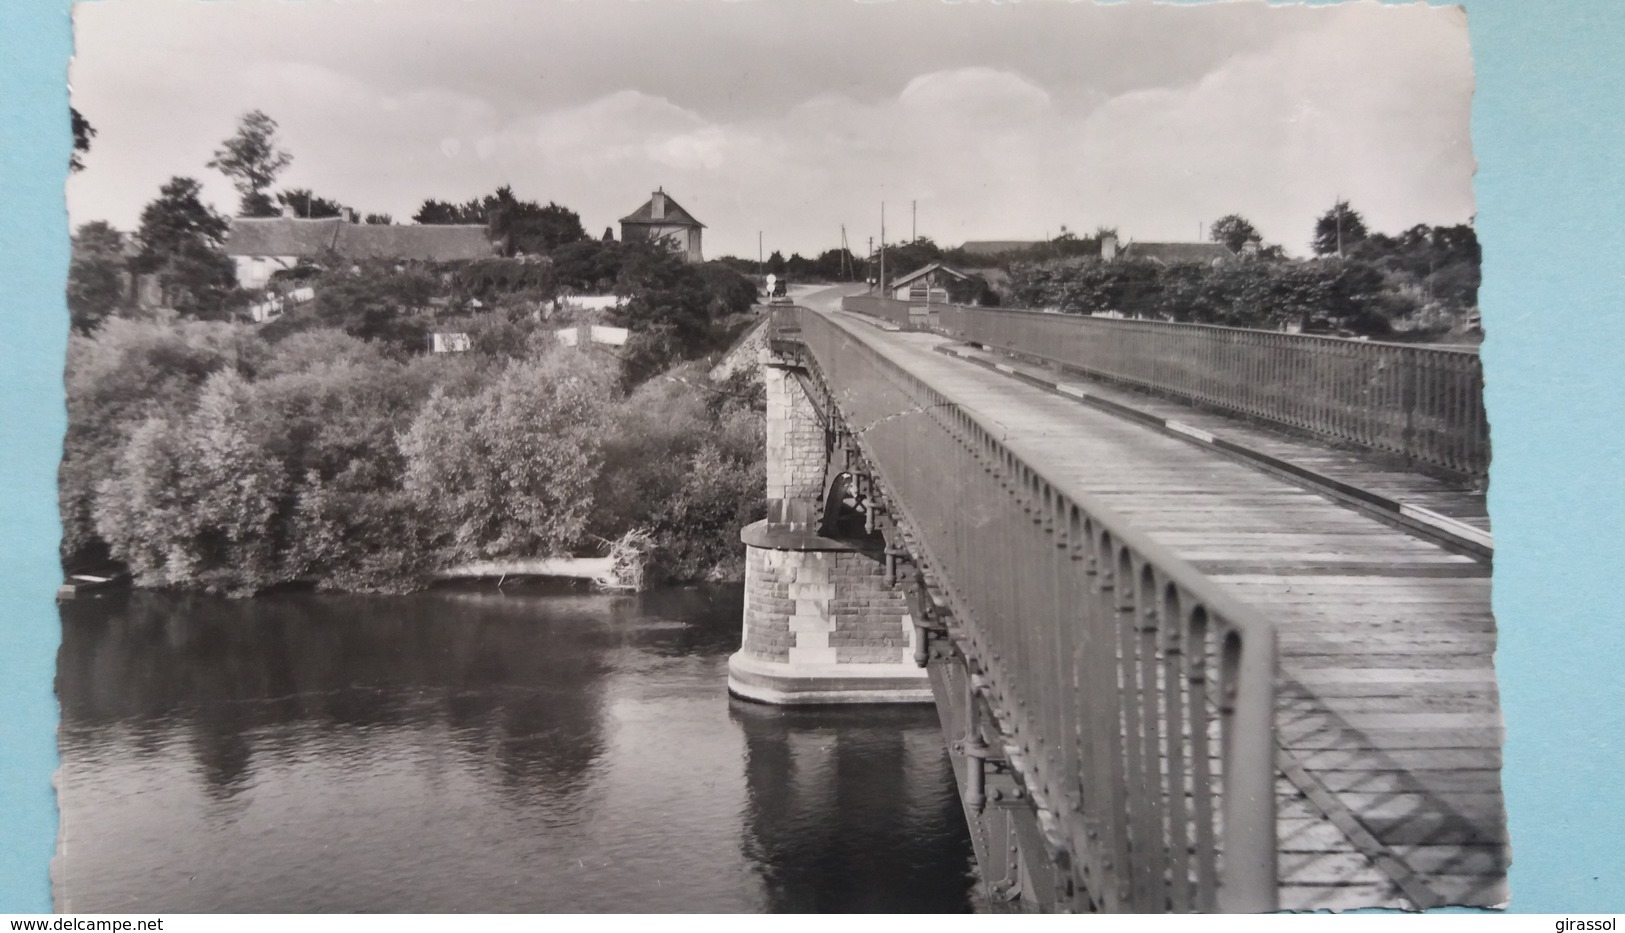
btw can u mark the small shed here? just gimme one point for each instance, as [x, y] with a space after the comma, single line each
[927, 285]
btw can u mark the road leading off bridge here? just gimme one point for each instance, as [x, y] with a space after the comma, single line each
[1205, 612]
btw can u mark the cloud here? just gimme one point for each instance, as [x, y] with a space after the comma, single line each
[1357, 109]
[980, 92]
[1139, 121]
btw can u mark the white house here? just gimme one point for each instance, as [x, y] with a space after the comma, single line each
[662, 220]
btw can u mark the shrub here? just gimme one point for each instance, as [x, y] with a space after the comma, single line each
[685, 460]
[509, 472]
[118, 377]
[195, 500]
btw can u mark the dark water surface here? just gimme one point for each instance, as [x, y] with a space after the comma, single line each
[476, 751]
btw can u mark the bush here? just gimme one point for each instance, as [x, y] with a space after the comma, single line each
[1348, 294]
[685, 460]
[509, 472]
[118, 377]
[492, 279]
[195, 500]
[360, 540]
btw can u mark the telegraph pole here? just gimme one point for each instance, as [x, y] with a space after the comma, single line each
[1339, 208]
[913, 221]
[882, 248]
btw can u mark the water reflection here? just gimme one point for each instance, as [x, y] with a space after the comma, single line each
[840, 797]
[475, 750]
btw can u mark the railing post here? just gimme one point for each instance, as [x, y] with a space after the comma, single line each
[1408, 393]
[1247, 708]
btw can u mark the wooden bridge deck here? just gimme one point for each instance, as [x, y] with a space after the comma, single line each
[1389, 477]
[1388, 715]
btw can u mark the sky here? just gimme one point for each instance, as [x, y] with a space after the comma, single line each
[967, 120]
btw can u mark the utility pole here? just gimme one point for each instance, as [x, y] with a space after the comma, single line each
[759, 255]
[913, 221]
[869, 258]
[882, 248]
[1339, 208]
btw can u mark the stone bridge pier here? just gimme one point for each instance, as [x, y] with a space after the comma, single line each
[822, 621]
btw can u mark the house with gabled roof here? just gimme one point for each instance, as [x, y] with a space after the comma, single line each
[1166, 254]
[261, 245]
[663, 220]
[928, 284]
[987, 249]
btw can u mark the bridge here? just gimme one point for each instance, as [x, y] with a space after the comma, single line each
[1205, 612]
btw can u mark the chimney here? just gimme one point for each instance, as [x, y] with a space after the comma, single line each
[657, 204]
[1108, 247]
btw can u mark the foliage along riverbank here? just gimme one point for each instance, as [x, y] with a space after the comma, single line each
[329, 446]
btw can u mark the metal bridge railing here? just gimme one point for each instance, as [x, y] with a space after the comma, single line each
[1422, 402]
[904, 314]
[1139, 698]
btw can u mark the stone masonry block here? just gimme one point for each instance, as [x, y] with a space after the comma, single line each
[813, 609]
[823, 592]
[868, 655]
[804, 624]
[799, 655]
[812, 639]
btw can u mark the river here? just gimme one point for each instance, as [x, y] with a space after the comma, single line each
[476, 750]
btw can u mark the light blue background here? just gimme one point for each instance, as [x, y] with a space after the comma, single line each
[1549, 133]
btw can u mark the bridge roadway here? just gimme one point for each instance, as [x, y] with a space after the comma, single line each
[1388, 722]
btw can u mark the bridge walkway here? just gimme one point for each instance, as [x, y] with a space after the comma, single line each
[1386, 477]
[1388, 716]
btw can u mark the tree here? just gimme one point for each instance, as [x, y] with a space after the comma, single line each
[589, 266]
[542, 230]
[669, 310]
[510, 472]
[306, 204]
[522, 226]
[181, 240]
[445, 212]
[95, 275]
[1233, 230]
[687, 467]
[82, 134]
[119, 375]
[376, 301]
[904, 258]
[252, 161]
[1338, 229]
[380, 220]
[195, 498]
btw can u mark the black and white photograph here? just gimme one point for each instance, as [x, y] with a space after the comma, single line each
[535, 456]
